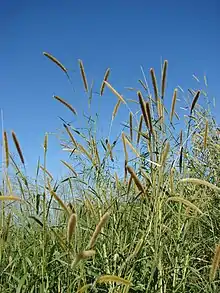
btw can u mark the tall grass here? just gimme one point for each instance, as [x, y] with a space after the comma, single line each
[151, 227]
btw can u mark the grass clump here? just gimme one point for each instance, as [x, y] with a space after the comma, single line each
[146, 221]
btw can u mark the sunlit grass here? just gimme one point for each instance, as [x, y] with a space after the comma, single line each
[152, 227]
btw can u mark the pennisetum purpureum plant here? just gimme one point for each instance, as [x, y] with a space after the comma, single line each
[138, 212]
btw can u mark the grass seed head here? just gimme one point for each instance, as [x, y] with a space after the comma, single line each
[71, 226]
[98, 229]
[17, 145]
[172, 111]
[135, 178]
[58, 63]
[103, 83]
[65, 104]
[83, 74]
[164, 77]
[215, 263]
[154, 82]
[6, 149]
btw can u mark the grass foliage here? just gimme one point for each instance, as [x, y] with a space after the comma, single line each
[149, 225]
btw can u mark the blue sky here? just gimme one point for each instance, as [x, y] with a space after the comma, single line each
[121, 35]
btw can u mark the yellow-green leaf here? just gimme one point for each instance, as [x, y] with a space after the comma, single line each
[186, 202]
[200, 182]
[112, 278]
[9, 197]
[84, 288]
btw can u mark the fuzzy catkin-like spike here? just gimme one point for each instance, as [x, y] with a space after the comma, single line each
[195, 99]
[82, 256]
[82, 70]
[139, 129]
[70, 135]
[149, 117]
[58, 63]
[47, 172]
[159, 110]
[92, 144]
[46, 142]
[6, 149]
[206, 134]
[173, 105]
[124, 145]
[116, 109]
[143, 109]
[86, 254]
[162, 113]
[115, 92]
[98, 229]
[69, 167]
[91, 93]
[65, 104]
[131, 126]
[95, 149]
[104, 79]
[116, 180]
[215, 263]
[131, 147]
[71, 227]
[185, 202]
[164, 75]
[61, 203]
[17, 145]
[200, 182]
[135, 178]
[110, 151]
[165, 153]
[58, 199]
[112, 278]
[171, 181]
[97, 154]
[154, 82]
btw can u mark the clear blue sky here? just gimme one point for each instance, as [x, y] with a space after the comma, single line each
[121, 35]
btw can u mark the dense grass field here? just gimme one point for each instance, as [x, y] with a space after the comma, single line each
[151, 224]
